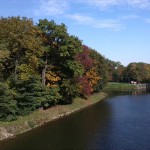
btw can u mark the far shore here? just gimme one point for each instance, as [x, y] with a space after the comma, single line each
[40, 117]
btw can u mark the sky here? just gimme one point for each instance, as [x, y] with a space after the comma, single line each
[117, 29]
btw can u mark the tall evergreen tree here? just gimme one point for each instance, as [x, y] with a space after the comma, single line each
[33, 95]
[8, 105]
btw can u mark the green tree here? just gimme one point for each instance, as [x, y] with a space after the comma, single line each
[3, 57]
[33, 95]
[59, 57]
[139, 72]
[59, 47]
[130, 73]
[21, 39]
[69, 90]
[102, 69]
[8, 105]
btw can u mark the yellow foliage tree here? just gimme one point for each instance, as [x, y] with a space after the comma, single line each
[51, 79]
[92, 76]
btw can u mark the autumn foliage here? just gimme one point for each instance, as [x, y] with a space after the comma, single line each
[84, 58]
[43, 65]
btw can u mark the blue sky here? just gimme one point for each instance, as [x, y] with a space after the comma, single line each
[118, 29]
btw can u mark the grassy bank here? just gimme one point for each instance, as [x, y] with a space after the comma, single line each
[115, 86]
[38, 118]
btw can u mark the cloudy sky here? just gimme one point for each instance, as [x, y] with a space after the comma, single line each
[118, 29]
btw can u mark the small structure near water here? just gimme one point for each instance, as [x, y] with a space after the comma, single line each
[143, 86]
[133, 82]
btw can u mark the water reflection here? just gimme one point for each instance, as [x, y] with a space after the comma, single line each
[139, 92]
[113, 93]
[67, 133]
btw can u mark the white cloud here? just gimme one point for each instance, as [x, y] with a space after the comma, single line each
[109, 24]
[104, 4]
[82, 19]
[51, 7]
[57, 7]
[128, 17]
[62, 7]
[142, 4]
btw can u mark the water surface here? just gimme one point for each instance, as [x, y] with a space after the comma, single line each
[118, 123]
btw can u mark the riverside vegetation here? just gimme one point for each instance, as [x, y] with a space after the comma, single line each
[40, 117]
[42, 66]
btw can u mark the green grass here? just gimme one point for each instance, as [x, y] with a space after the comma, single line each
[41, 116]
[115, 86]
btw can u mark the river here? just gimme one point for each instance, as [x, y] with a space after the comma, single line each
[117, 123]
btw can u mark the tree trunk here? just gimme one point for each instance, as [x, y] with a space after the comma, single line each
[129, 80]
[15, 73]
[44, 75]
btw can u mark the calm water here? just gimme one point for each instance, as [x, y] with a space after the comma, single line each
[118, 123]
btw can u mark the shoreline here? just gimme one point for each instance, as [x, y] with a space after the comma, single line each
[41, 117]
[117, 86]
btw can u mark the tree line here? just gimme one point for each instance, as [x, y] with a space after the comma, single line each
[42, 65]
[135, 71]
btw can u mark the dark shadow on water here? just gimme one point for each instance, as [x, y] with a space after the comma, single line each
[71, 132]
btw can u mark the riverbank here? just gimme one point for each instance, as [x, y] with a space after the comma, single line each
[40, 117]
[115, 86]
